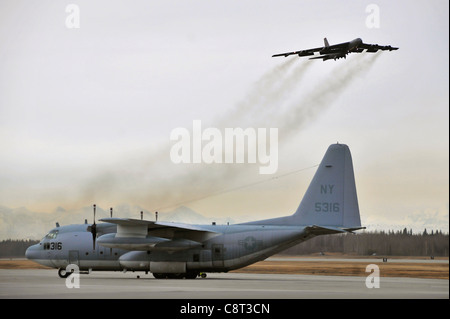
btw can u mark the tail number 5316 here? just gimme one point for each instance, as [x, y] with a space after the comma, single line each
[325, 207]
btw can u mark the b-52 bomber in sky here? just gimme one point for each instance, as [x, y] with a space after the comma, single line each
[175, 250]
[337, 51]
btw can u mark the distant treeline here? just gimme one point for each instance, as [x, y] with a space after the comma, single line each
[15, 248]
[391, 243]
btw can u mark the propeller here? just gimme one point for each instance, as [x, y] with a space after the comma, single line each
[94, 231]
[111, 212]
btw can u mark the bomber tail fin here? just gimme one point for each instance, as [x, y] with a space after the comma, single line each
[326, 42]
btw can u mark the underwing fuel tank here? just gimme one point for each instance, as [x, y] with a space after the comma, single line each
[139, 260]
[135, 260]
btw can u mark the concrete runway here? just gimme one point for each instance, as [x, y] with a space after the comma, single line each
[365, 260]
[45, 284]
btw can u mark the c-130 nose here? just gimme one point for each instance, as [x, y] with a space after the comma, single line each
[32, 252]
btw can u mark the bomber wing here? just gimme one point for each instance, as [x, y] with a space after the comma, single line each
[300, 53]
[375, 47]
[327, 49]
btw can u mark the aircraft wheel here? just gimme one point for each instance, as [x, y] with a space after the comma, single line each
[203, 275]
[62, 273]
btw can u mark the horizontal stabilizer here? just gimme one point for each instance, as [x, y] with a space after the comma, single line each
[324, 230]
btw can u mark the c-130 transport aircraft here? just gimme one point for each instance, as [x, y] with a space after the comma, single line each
[175, 250]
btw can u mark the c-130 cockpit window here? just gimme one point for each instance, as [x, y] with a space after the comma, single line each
[48, 243]
[52, 234]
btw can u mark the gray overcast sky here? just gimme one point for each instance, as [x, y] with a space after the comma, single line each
[86, 114]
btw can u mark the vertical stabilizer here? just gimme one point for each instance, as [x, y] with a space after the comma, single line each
[331, 197]
[326, 42]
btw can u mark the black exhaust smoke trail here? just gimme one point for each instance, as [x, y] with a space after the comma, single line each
[276, 95]
[315, 102]
[154, 182]
[185, 182]
[259, 96]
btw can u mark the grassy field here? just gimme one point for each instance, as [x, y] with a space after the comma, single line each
[354, 267]
[20, 264]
